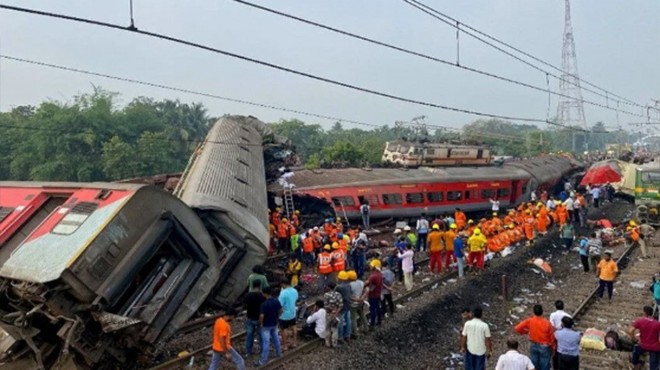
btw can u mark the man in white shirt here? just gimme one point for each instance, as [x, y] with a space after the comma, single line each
[475, 342]
[316, 322]
[555, 317]
[513, 360]
[495, 205]
[550, 204]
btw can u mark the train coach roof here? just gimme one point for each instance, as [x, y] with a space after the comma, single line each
[309, 179]
[70, 185]
[540, 168]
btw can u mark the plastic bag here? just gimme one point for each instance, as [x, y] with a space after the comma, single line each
[593, 339]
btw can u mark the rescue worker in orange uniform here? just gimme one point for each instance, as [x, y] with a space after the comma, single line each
[295, 219]
[529, 225]
[542, 221]
[338, 258]
[460, 219]
[327, 227]
[324, 268]
[562, 214]
[435, 241]
[495, 222]
[283, 235]
[275, 217]
[449, 237]
[340, 225]
[308, 248]
[509, 218]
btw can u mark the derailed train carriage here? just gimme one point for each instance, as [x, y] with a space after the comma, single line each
[96, 275]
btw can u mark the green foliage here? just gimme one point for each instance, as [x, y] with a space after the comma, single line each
[92, 139]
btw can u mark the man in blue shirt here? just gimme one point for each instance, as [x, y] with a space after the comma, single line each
[458, 253]
[568, 345]
[288, 298]
[270, 310]
[584, 254]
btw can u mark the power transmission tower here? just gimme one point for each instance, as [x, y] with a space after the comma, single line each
[570, 110]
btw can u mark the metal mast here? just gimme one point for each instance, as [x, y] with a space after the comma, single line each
[570, 110]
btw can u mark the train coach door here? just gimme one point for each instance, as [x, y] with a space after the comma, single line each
[515, 191]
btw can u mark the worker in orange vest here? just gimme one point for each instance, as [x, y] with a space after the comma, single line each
[542, 221]
[283, 235]
[460, 219]
[327, 227]
[528, 226]
[495, 222]
[509, 217]
[340, 225]
[295, 219]
[562, 214]
[308, 248]
[325, 266]
[275, 217]
[338, 258]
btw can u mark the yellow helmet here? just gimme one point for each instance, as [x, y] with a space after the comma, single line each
[539, 204]
[352, 275]
[511, 226]
[453, 226]
[477, 232]
[335, 245]
[494, 213]
[284, 219]
[297, 212]
[327, 247]
[511, 211]
[632, 223]
[435, 227]
[338, 219]
[470, 221]
[342, 275]
[278, 209]
[375, 263]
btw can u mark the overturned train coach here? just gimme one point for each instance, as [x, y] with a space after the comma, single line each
[403, 193]
[95, 275]
[96, 271]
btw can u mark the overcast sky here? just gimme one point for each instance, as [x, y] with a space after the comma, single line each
[617, 48]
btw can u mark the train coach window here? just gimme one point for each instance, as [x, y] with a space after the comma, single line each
[487, 194]
[74, 218]
[430, 151]
[501, 193]
[435, 197]
[392, 199]
[372, 199]
[454, 195]
[343, 201]
[414, 198]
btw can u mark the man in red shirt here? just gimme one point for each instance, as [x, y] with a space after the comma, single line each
[649, 330]
[222, 343]
[542, 337]
[375, 288]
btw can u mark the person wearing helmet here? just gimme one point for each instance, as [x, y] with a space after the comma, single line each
[338, 258]
[283, 235]
[495, 222]
[410, 236]
[477, 244]
[448, 239]
[295, 219]
[275, 217]
[374, 288]
[325, 269]
[344, 288]
[436, 245]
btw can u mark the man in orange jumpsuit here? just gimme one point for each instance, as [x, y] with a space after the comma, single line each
[460, 219]
[562, 214]
[528, 226]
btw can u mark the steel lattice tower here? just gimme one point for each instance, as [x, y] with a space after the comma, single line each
[570, 110]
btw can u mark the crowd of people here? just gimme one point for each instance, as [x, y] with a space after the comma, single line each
[352, 285]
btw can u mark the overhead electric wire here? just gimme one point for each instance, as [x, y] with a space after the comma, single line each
[518, 50]
[428, 57]
[281, 68]
[454, 23]
[229, 99]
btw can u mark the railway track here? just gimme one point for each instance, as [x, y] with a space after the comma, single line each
[207, 322]
[625, 307]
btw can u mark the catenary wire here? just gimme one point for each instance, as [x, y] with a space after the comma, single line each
[419, 7]
[233, 100]
[430, 57]
[450, 21]
[282, 68]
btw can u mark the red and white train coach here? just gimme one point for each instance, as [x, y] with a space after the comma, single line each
[410, 192]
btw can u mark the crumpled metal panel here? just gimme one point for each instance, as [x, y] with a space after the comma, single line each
[111, 322]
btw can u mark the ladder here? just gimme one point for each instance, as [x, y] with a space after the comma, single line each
[343, 211]
[288, 200]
